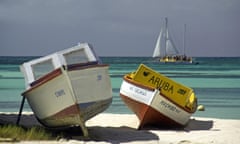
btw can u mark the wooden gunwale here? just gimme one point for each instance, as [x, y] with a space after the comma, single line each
[43, 80]
[58, 72]
[84, 66]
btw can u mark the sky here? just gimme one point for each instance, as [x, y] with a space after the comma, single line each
[118, 27]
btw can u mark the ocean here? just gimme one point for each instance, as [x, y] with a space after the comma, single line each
[215, 80]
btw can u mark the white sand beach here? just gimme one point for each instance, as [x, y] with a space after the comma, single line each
[121, 128]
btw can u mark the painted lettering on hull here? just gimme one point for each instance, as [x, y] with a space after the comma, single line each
[161, 84]
[59, 93]
[138, 91]
[175, 91]
[169, 106]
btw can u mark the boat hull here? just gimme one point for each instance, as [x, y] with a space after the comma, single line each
[174, 91]
[176, 59]
[151, 107]
[70, 96]
[73, 116]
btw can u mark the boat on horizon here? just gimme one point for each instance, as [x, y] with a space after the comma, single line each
[165, 49]
[156, 99]
[68, 87]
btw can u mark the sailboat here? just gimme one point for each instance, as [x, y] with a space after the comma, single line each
[165, 49]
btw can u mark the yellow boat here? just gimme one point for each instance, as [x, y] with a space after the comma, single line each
[178, 93]
[156, 99]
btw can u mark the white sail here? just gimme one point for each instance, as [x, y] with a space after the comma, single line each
[156, 52]
[165, 48]
[171, 48]
[164, 45]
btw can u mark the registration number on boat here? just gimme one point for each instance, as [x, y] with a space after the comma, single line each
[59, 93]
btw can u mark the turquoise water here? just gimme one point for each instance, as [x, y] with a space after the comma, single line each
[216, 82]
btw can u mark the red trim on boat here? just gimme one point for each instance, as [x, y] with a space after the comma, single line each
[44, 79]
[58, 72]
[138, 108]
[73, 115]
[71, 110]
[60, 118]
[153, 117]
[147, 115]
[84, 65]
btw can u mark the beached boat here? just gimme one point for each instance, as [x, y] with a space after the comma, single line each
[67, 88]
[165, 49]
[156, 99]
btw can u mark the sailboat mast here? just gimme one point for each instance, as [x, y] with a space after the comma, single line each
[166, 28]
[184, 39]
[166, 37]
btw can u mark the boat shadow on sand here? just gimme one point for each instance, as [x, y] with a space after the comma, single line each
[110, 134]
[96, 133]
[125, 134]
[194, 124]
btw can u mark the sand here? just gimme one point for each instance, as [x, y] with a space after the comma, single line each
[121, 128]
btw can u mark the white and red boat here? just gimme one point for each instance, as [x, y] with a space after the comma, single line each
[156, 99]
[68, 87]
